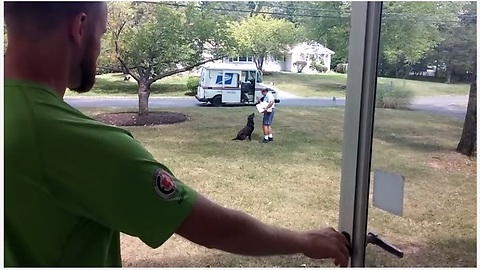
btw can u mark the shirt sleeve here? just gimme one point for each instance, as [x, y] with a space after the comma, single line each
[270, 97]
[102, 173]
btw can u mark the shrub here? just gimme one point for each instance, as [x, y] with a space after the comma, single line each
[342, 68]
[391, 97]
[300, 65]
[319, 67]
[192, 85]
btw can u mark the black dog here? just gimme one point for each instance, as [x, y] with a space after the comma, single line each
[247, 131]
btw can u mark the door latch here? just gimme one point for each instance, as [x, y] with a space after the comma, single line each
[377, 241]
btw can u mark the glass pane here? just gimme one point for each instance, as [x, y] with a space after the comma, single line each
[418, 125]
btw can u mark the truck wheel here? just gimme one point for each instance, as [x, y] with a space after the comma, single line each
[217, 101]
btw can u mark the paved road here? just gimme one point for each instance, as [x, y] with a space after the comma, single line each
[454, 106]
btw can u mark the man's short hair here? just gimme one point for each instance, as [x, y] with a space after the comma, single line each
[43, 16]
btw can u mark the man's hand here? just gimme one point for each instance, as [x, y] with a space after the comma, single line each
[327, 243]
[214, 226]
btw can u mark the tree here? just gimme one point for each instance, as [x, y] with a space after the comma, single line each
[107, 60]
[468, 142]
[328, 23]
[468, 22]
[460, 43]
[156, 40]
[262, 35]
[408, 34]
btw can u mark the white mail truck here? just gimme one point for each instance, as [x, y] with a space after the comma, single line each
[231, 83]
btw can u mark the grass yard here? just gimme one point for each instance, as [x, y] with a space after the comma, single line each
[332, 84]
[304, 85]
[299, 187]
[114, 85]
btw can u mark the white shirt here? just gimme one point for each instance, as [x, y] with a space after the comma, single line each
[269, 97]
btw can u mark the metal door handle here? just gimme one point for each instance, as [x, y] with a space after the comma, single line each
[349, 247]
[375, 240]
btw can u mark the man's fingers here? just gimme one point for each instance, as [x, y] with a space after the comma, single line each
[341, 261]
[344, 251]
[342, 256]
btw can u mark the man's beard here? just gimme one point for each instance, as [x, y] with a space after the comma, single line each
[87, 77]
[88, 70]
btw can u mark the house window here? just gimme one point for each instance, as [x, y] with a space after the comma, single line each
[241, 59]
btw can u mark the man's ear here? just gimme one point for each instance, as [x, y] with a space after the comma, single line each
[78, 27]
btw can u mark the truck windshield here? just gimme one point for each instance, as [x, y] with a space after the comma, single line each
[259, 76]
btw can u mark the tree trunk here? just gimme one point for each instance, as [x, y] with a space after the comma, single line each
[406, 72]
[449, 75]
[259, 61]
[143, 95]
[468, 142]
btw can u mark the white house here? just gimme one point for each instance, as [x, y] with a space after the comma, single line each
[307, 52]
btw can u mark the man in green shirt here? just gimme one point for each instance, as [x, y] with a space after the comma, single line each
[73, 184]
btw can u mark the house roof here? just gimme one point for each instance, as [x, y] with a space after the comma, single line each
[311, 48]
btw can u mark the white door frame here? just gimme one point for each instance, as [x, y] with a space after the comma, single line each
[358, 124]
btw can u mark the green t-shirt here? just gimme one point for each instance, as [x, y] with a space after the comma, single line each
[72, 184]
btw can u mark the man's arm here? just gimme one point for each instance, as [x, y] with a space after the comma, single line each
[271, 101]
[120, 185]
[260, 99]
[270, 104]
[214, 226]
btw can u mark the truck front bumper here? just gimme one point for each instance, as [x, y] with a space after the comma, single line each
[201, 99]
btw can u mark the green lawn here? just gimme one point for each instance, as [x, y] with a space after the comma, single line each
[305, 85]
[333, 84]
[299, 186]
[114, 85]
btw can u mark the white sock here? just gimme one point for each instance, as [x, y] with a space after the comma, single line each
[270, 136]
[266, 137]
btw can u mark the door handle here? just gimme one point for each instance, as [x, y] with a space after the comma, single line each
[349, 247]
[377, 241]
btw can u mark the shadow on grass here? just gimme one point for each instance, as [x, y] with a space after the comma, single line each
[439, 253]
[105, 86]
[418, 144]
[460, 252]
[418, 132]
[229, 260]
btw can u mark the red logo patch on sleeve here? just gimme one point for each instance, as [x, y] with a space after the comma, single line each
[164, 184]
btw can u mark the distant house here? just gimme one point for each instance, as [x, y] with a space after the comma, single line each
[307, 52]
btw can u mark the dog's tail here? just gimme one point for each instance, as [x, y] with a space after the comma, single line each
[235, 139]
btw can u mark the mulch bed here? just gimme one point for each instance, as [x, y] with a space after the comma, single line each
[133, 119]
